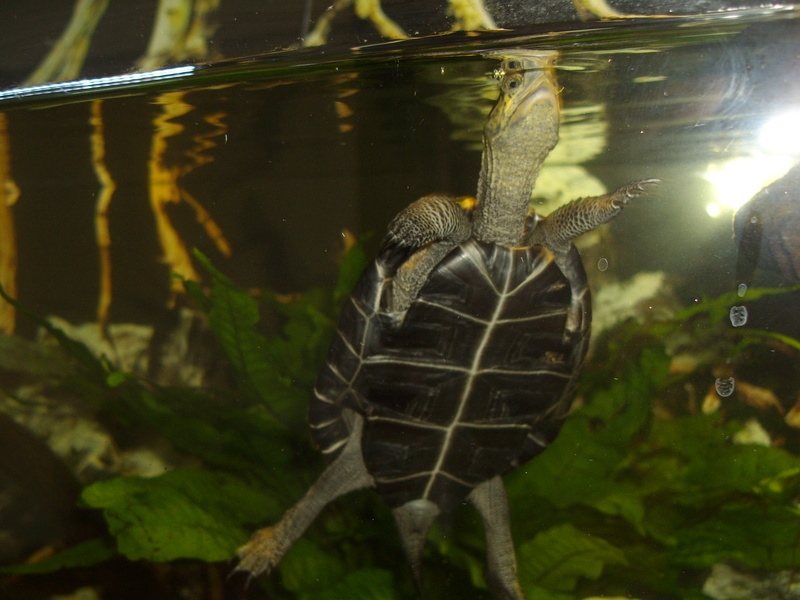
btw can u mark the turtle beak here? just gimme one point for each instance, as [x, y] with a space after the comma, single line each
[536, 92]
[541, 97]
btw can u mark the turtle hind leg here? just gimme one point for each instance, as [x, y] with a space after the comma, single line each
[491, 501]
[414, 520]
[345, 474]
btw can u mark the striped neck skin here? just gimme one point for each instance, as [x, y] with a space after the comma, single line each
[519, 134]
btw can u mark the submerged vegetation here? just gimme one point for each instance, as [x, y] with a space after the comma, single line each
[649, 485]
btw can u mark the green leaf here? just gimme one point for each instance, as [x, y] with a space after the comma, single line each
[457, 555]
[33, 359]
[575, 469]
[760, 535]
[300, 351]
[85, 554]
[557, 558]
[222, 432]
[117, 378]
[78, 350]
[364, 584]
[740, 468]
[233, 315]
[196, 293]
[350, 268]
[307, 568]
[694, 457]
[582, 464]
[539, 593]
[185, 513]
[718, 308]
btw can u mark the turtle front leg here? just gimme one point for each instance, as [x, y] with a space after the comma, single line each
[432, 218]
[345, 474]
[557, 230]
[491, 501]
[418, 238]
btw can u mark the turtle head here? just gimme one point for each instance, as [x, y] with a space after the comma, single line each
[519, 134]
[528, 96]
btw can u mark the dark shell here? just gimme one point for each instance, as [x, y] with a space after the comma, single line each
[767, 230]
[473, 381]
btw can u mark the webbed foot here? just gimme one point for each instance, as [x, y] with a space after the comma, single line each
[621, 196]
[262, 553]
[345, 474]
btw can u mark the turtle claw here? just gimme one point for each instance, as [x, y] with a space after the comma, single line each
[260, 554]
[637, 188]
[621, 196]
[394, 252]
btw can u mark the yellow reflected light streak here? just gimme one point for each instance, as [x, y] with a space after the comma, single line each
[9, 192]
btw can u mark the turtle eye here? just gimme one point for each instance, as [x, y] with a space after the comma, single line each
[512, 65]
[512, 82]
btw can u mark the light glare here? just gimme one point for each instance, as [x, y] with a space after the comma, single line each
[82, 85]
[781, 134]
[738, 180]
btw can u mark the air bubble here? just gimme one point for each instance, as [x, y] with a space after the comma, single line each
[738, 315]
[724, 386]
[741, 290]
[602, 264]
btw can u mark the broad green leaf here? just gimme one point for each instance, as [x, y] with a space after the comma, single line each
[536, 592]
[117, 378]
[221, 431]
[306, 568]
[300, 351]
[309, 322]
[575, 469]
[582, 465]
[760, 535]
[196, 292]
[625, 501]
[185, 513]
[625, 406]
[740, 468]
[557, 558]
[233, 315]
[694, 456]
[85, 554]
[364, 584]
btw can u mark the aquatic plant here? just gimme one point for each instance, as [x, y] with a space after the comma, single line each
[641, 494]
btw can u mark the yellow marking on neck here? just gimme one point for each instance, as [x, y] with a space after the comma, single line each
[467, 202]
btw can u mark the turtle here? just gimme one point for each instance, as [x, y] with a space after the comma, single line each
[766, 230]
[456, 356]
